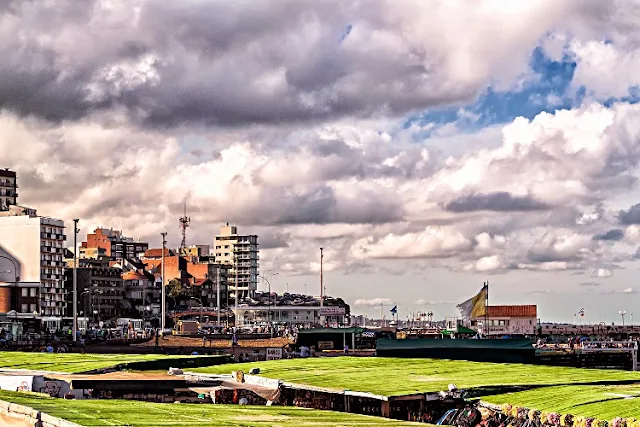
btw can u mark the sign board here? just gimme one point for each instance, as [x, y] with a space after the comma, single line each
[274, 353]
[401, 335]
[332, 311]
[368, 334]
[325, 345]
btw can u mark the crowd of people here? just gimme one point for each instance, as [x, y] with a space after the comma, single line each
[590, 342]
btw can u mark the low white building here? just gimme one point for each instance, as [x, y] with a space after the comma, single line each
[291, 314]
[508, 320]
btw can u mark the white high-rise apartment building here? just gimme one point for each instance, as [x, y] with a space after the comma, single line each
[35, 245]
[241, 252]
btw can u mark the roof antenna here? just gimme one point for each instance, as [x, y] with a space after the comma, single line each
[185, 222]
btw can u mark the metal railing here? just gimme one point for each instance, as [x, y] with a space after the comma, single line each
[612, 347]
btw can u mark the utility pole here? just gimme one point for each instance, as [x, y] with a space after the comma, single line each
[486, 312]
[321, 289]
[75, 280]
[163, 290]
[235, 257]
[218, 284]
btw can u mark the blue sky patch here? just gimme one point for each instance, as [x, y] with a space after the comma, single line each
[547, 91]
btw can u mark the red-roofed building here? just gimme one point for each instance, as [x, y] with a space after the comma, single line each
[508, 320]
[199, 279]
[157, 253]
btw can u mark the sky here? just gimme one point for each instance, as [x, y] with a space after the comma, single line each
[427, 148]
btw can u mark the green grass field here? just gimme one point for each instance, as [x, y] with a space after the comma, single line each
[566, 390]
[603, 402]
[396, 376]
[92, 413]
[71, 362]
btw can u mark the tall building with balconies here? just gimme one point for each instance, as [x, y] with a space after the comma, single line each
[32, 267]
[242, 253]
[8, 189]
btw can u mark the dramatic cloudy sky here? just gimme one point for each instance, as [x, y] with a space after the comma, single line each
[428, 146]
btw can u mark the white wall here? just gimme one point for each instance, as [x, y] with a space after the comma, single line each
[517, 325]
[20, 241]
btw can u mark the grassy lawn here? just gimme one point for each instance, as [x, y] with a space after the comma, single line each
[395, 376]
[71, 362]
[141, 414]
[603, 402]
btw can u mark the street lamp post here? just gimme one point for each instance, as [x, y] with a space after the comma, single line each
[163, 289]
[622, 314]
[75, 279]
[269, 300]
[218, 284]
[76, 301]
[201, 308]
[321, 288]
[236, 296]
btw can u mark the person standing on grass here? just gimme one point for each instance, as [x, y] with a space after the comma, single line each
[346, 349]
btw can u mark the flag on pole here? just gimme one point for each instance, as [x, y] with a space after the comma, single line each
[581, 312]
[475, 307]
[394, 310]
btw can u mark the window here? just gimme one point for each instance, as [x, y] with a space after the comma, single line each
[24, 308]
[33, 292]
[32, 308]
[25, 292]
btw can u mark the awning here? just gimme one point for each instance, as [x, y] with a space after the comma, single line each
[464, 330]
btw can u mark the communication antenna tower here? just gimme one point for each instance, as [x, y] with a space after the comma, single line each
[185, 222]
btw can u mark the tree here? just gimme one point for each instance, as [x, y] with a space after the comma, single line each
[175, 288]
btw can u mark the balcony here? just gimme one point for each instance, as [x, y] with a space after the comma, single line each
[51, 250]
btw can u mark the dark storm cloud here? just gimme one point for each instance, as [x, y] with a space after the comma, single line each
[323, 206]
[326, 148]
[214, 63]
[630, 216]
[501, 201]
[271, 240]
[614, 235]
[539, 255]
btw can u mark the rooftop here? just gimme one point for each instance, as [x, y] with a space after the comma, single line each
[7, 173]
[157, 253]
[512, 311]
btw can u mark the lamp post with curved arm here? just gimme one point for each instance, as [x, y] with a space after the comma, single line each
[76, 300]
[269, 300]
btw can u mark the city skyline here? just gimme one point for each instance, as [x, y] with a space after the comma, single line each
[426, 148]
